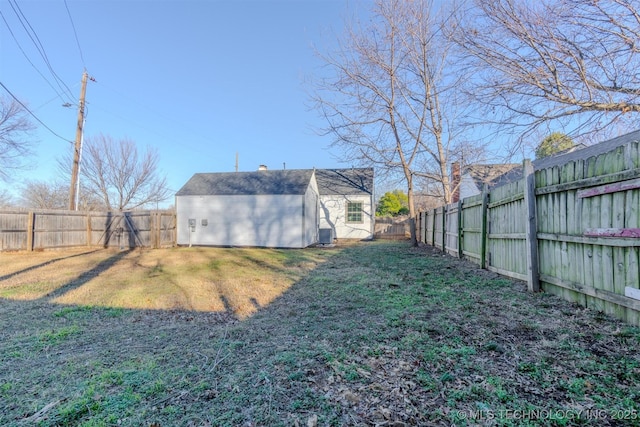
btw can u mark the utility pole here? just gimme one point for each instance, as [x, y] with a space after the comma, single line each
[78, 146]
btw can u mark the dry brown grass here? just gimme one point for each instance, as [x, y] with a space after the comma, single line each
[239, 281]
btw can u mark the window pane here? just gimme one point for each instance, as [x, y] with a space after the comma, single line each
[354, 212]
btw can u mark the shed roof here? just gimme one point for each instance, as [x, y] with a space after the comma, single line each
[346, 182]
[491, 174]
[277, 182]
[350, 181]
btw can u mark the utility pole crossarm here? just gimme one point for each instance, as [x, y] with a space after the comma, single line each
[76, 152]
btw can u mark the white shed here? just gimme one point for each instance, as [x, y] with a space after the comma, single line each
[266, 208]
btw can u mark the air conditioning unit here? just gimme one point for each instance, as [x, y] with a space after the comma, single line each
[326, 236]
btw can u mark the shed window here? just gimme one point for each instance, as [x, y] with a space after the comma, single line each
[354, 212]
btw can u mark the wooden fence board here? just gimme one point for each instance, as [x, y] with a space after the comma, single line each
[527, 221]
[438, 228]
[587, 216]
[391, 228]
[41, 229]
[451, 229]
[633, 233]
[13, 230]
[429, 218]
[470, 242]
[616, 187]
[506, 233]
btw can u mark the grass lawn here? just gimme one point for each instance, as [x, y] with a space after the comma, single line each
[373, 334]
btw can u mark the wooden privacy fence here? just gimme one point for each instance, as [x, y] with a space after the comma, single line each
[393, 228]
[490, 233]
[35, 230]
[572, 230]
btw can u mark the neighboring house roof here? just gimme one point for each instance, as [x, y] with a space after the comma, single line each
[346, 182]
[490, 174]
[571, 149]
[278, 182]
[580, 152]
[585, 153]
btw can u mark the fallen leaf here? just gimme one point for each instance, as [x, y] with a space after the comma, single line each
[351, 397]
[386, 412]
[312, 421]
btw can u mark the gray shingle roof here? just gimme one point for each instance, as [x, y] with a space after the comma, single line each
[278, 182]
[292, 181]
[491, 174]
[348, 182]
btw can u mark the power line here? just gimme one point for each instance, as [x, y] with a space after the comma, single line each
[50, 101]
[59, 95]
[38, 44]
[32, 114]
[75, 33]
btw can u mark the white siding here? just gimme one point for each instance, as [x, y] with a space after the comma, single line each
[265, 220]
[333, 214]
[468, 187]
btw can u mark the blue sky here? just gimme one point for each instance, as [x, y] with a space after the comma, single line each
[198, 80]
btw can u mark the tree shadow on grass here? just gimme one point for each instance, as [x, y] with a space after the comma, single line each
[86, 276]
[44, 264]
[227, 306]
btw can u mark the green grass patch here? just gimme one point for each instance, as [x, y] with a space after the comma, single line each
[58, 336]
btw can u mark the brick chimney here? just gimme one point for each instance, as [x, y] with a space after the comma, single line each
[455, 181]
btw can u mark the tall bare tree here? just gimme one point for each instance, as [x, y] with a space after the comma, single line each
[46, 194]
[391, 98]
[554, 64]
[121, 177]
[15, 143]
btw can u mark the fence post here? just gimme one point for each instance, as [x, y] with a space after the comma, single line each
[158, 233]
[30, 230]
[483, 226]
[153, 229]
[533, 278]
[433, 229]
[444, 229]
[460, 228]
[89, 229]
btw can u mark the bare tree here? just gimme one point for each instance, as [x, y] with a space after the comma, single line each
[45, 195]
[119, 176]
[15, 129]
[554, 64]
[6, 200]
[55, 195]
[391, 100]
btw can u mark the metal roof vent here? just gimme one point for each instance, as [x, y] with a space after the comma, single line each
[262, 168]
